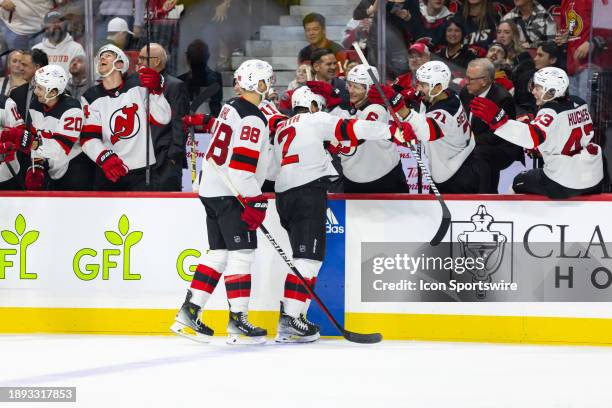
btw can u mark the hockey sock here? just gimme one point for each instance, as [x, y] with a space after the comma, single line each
[296, 297]
[238, 279]
[207, 276]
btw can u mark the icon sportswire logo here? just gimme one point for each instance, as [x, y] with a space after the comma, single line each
[332, 226]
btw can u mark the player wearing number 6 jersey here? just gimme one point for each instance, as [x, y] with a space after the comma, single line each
[561, 131]
[241, 149]
[301, 195]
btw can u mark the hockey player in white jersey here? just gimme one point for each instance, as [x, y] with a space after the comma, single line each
[301, 196]
[53, 127]
[373, 166]
[562, 133]
[12, 124]
[444, 130]
[114, 135]
[240, 148]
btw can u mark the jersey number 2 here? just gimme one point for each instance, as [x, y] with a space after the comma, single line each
[289, 134]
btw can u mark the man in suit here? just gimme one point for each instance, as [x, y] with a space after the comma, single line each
[495, 154]
[169, 140]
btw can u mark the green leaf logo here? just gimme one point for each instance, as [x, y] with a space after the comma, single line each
[10, 237]
[113, 238]
[20, 224]
[124, 225]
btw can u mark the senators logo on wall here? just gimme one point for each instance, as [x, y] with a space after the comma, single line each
[124, 123]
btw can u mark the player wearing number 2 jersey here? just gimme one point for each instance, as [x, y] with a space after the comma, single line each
[561, 131]
[241, 149]
[301, 196]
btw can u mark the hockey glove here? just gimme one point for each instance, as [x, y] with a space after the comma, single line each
[487, 111]
[19, 137]
[396, 99]
[35, 177]
[202, 122]
[113, 166]
[402, 135]
[332, 149]
[273, 124]
[254, 211]
[7, 151]
[331, 94]
[151, 79]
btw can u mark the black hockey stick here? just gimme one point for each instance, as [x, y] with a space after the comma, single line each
[205, 95]
[148, 101]
[446, 215]
[350, 336]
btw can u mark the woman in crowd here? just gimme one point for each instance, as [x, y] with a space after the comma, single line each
[480, 21]
[455, 53]
[13, 77]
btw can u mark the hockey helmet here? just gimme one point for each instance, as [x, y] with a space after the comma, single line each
[120, 57]
[553, 80]
[250, 72]
[434, 73]
[302, 97]
[359, 75]
[51, 77]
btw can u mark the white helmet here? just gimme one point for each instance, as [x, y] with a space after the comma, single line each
[434, 73]
[51, 77]
[552, 80]
[320, 100]
[250, 72]
[121, 57]
[302, 97]
[359, 75]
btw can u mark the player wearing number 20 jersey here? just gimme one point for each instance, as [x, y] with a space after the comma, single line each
[240, 150]
[561, 131]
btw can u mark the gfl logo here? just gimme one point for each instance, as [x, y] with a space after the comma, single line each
[19, 240]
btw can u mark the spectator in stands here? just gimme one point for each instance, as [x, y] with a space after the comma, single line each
[78, 81]
[200, 75]
[57, 43]
[132, 11]
[22, 20]
[418, 54]
[402, 25]
[169, 140]
[30, 61]
[434, 15]
[13, 77]
[522, 66]
[535, 23]
[119, 34]
[315, 34]
[495, 153]
[546, 55]
[480, 20]
[324, 66]
[454, 52]
[498, 54]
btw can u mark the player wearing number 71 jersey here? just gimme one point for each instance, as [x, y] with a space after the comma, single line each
[561, 131]
[301, 195]
[241, 149]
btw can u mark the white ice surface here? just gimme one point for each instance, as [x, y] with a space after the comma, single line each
[166, 371]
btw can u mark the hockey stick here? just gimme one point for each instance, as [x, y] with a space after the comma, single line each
[148, 101]
[350, 336]
[446, 215]
[205, 95]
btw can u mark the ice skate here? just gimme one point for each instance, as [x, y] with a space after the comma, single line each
[241, 331]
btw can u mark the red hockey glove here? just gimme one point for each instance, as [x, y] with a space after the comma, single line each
[487, 111]
[113, 166]
[410, 94]
[333, 149]
[396, 99]
[254, 211]
[35, 177]
[7, 151]
[274, 122]
[202, 122]
[406, 136]
[151, 79]
[19, 137]
[331, 94]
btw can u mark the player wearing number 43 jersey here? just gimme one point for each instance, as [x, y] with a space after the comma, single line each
[241, 149]
[561, 131]
[301, 195]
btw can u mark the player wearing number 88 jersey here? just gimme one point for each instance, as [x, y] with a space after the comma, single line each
[240, 147]
[561, 131]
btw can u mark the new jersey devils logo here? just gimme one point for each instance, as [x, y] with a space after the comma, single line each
[124, 123]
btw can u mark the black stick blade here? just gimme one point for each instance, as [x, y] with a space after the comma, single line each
[360, 338]
[442, 230]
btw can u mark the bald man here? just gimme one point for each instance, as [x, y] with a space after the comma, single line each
[169, 140]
